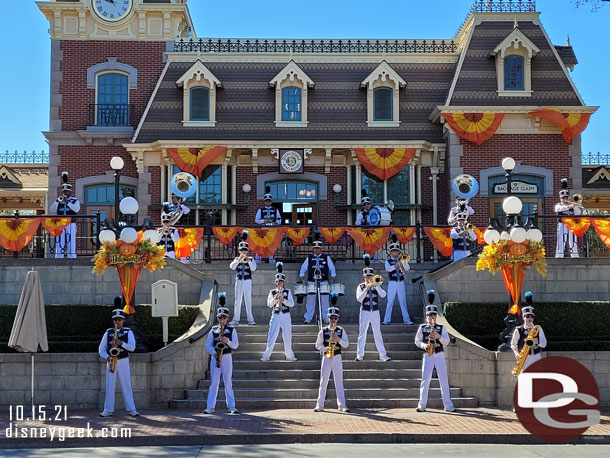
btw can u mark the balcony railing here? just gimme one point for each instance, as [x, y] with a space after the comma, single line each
[25, 157]
[110, 115]
[595, 159]
[504, 6]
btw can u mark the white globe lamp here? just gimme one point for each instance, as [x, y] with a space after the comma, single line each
[116, 163]
[491, 236]
[152, 236]
[518, 234]
[107, 236]
[535, 235]
[512, 205]
[129, 206]
[508, 163]
[129, 235]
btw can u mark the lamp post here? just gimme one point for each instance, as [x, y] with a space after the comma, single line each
[116, 163]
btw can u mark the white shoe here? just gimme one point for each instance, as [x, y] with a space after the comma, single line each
[385, 358]
[385, 323]
[408, 323]
[233, 412]
[307, 322]
[291, 359]
[251, 323]
[359, 358]
[265, 359]
[134, 413]
[208, 411]
[105, 414]
[319, 409]
[344, 409]
[420, 409]
[447, 409]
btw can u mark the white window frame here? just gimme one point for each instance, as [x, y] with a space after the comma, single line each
[516, 43]
[383, 76]
[291, 76]
[198, 76]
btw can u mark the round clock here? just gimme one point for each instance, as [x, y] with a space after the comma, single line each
[111, 10]
[291, 161]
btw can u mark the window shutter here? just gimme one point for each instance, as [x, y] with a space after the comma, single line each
[200, 104]
[383, 104]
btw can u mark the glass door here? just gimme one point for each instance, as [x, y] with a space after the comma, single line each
[304, 214]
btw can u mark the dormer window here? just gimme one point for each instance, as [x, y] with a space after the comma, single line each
[513, 65]
[199, 102]
[291, 87]
[382, 87]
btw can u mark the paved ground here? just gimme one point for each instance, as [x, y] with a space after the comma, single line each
[323, 450]
[483, 426]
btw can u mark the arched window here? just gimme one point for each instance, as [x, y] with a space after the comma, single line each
[200, 104]
[513, 73]
[382, 104]
[291, 104]
[112, 100]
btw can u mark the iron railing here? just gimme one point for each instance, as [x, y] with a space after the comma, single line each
[326, 46]
[110, 114]
[44, 244]
[595, 159]
[25, 157]
[498, 6]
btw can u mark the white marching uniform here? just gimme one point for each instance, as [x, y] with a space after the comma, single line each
[121, 370]
[168, 241]
[516, 344]
[452, 219]
[243, 288]
[226, 366]
[66, 241]
[327, 269]
[369, 314]
[280, 320]
[334, 365]
[563, 234]
[430, 362]
[396, 287]
[462, 243]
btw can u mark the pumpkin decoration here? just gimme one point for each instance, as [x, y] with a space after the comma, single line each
[127, 249]
[518, 250]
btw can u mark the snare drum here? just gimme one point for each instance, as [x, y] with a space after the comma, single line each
[379, 216]
[311, 288]
[300, 289]
[338, 288]
[324, 288]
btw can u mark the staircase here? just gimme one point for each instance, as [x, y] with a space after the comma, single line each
[281, 384]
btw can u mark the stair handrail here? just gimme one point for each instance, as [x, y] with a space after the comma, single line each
[213, 299]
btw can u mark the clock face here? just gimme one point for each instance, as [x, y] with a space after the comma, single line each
[291, 161]
[112, 10]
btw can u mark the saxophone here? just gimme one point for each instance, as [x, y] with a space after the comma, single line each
[525, 351]
[114, 350]
[220, 347]
[279, 298]
[431, 341]
[330, 353]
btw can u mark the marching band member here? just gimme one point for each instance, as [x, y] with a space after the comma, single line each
[115, 350]
[565, 208]
[396, 284]
[362, 218]
[368, 294]
[243, 265]
[177, 205]
[280, 301]
[66, 205]
[221, 340]
[317, 264]
[168, 235]
[521, 332]
[268, 215]
[461, 205]
[330, 341]
[432, 338]
[463, 238]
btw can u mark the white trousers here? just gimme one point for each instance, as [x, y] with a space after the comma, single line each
[429, 363]
[279, 321]
[396, 288]
[226, 369]
[373, 319]
[66, 242]
[122, 370]
[334, 365]
[531, 359]
[563, 236]
[243, 291]
[312, 300]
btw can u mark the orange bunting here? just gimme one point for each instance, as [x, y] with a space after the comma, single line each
[479, 231]
[370, 240]
[128, 276]
[474, 127]
[225, 234]
[404, 234]
[16, 233]
[384, 163]
[194, 160]
[265, 242]
[439, 236]
[297, 235]
[188, 242]
[513, 274]
[578, 226]
[602, 227]
[571, 124]
[55, 226]
[331, 234]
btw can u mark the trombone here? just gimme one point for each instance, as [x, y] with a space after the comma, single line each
[377, 280]
[244, 258]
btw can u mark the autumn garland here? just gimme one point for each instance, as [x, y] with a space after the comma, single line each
[151, 257]
[528, 254]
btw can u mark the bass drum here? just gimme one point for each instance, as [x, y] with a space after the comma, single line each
[379, 216]
[300, 289]
[338, 288]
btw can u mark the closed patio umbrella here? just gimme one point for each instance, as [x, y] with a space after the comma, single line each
[29, 333]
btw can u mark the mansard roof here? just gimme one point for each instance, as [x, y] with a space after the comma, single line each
[476, 83]
[337, 108]
[385, 72]
[291, 71]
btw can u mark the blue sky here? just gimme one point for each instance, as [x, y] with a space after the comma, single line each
[24, 79]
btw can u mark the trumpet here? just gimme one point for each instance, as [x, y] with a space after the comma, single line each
[376, 281]
[576, 200]
[279, 298]
[244, 258]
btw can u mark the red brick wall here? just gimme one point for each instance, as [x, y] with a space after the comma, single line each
[154, 189]
[84, 161]
[146, 57]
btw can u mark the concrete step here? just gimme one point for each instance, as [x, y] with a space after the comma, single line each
[310, 338]
[304, 347]
[382, 372]
[314, 355]
[371, 361]
[330, 404]
[312, 329]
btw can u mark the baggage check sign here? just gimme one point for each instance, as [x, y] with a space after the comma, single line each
[557, 399]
